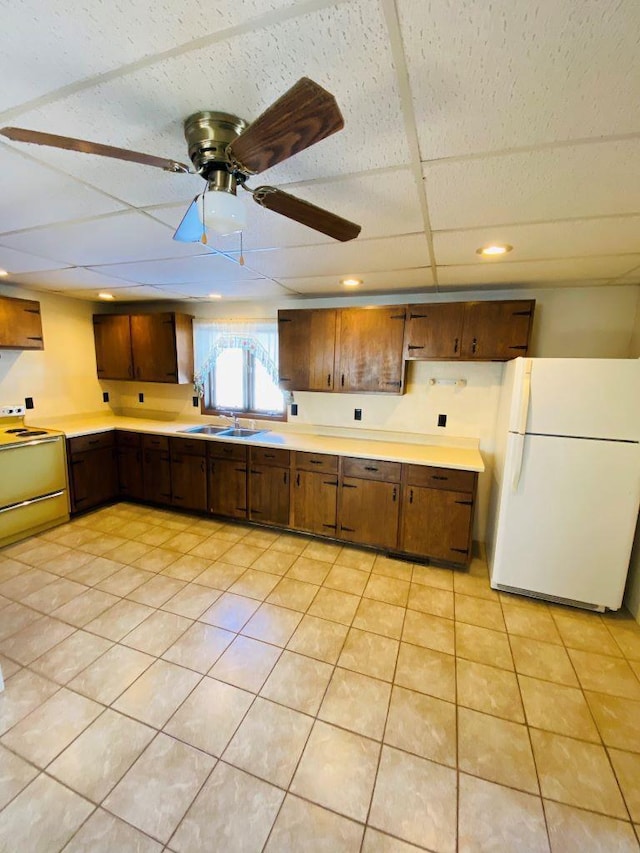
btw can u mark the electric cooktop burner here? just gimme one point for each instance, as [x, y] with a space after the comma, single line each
[17, 429]
[29, 432]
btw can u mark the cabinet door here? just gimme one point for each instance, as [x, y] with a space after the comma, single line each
[188, 481]
[112, 333]
[370, 342]
[433, 331]
[269, 494]
[156, 476]
[368, 512]
[306, 344]
[437, 523]
[130, 473]
[153, 341]
[228, 488]
[93, 478]
[20, 324]
[497, 330]
[315, 497]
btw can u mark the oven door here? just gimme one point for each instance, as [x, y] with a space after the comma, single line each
[31, 469]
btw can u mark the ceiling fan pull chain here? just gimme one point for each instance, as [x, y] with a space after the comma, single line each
[241, 255]
[203, 239]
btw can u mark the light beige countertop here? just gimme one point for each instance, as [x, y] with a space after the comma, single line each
[462, 454]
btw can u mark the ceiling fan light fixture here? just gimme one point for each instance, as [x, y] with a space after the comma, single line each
[494, 250]
[222, 211]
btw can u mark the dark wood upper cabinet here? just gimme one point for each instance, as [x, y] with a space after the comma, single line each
[306, 345]
[497, 330]
[112, 333]
[20, 324]
[434, 331]
[369, 349]
[147, 347]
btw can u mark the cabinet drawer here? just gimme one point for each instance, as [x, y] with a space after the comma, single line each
[189, 446]
[440, 478]
[155, 442]
[316, 462]
[218, 450]
[371, 469]
[270, 456]
[96, 441]
[132, 440]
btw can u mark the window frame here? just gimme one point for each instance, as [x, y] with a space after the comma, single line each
[248, 410]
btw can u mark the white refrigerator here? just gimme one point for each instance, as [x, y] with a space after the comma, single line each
[566, 483]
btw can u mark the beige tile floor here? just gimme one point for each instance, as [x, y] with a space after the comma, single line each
[179, 684]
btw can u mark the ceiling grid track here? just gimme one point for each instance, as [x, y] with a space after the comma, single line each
[392, 22]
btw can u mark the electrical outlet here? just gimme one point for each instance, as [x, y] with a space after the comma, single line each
[357, 414]
[442, 420]
[105, 396]
[12, 410]
[195, 401]
[141, 397]
[28, 403]
[294, 409]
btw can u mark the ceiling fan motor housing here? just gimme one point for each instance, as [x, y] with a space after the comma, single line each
[208, 135]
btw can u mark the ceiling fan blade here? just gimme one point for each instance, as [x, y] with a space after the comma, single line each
[19, 134]
[190, 229]
[305, 213]
[303, 116]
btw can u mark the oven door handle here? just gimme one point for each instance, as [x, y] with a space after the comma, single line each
[30, 501]
[29, 443]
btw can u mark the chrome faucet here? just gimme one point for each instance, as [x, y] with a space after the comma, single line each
[233, 417]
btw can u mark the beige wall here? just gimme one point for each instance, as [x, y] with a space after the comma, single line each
[62, 377]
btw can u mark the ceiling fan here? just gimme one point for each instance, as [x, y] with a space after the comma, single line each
[226, 151]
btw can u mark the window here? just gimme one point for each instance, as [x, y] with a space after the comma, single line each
[237, 367]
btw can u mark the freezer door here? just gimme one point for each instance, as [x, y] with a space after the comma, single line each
[592, 397]
[566, 524]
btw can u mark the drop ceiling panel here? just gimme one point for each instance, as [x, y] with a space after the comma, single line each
[207, 267]
[132, 293]
[15, 262]
[33, 194]
[569, 269]
[487, 76]
[69, 279]
[342, 259]
[122, 237]
[103, 36]
[569, 239]
[344, 48]
[388, 281]
[599, 179]
[258, 289]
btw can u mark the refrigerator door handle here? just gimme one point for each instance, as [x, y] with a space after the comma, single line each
[524, 399]
[518, 453]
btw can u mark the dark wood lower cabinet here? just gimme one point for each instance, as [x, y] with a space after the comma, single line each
[188, 481]
[228, 487]
[269, 494]
[92, 474]
[156, 476]
[368, 512]
[437, 522]
[315, 502]
[129, 460]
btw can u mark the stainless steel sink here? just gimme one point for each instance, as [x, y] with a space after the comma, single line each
[239, 432]
[206, 430]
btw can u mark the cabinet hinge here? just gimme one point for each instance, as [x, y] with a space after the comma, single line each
[460, 550]
[284, 319]
[348, 486]
[348, 529]
[464, 503]
[519, 347]
[31, 310]
[398, 317]
[521, 313]
[413, 346]
[334, 483]
[34, 338]
[331, 526]
[418, 316]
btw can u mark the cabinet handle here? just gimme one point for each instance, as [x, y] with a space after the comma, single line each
[521, 313]
[94, 441]
[256, 511]
[212, 467]
[348, 486]
[269, 455]
[31, 310]
[285, 478]
[241, 470]
[394, 384]
[519, 347]
[418, 316]
[34, 338]
[255, 472]
[284, 379]
[342, 380]
[474, 345]
[330, 483]
[395, 493]
[328, 380]
[315, 461]
[460, 550]
[370, 468]
[414, 346]
[348, 529]
[437, 477]
[202, 466]
[464, 503]
[171, 373]
[331, 526]
[398, 317]
[410, 496]
[130, 371]
[455, 345]
[298, 480]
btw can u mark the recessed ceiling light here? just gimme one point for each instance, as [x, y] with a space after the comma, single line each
[3, 272]
[215, 296]
[106, 296]
[351, 282]
[494, 249]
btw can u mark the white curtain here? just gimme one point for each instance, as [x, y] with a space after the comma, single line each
[211, 337]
